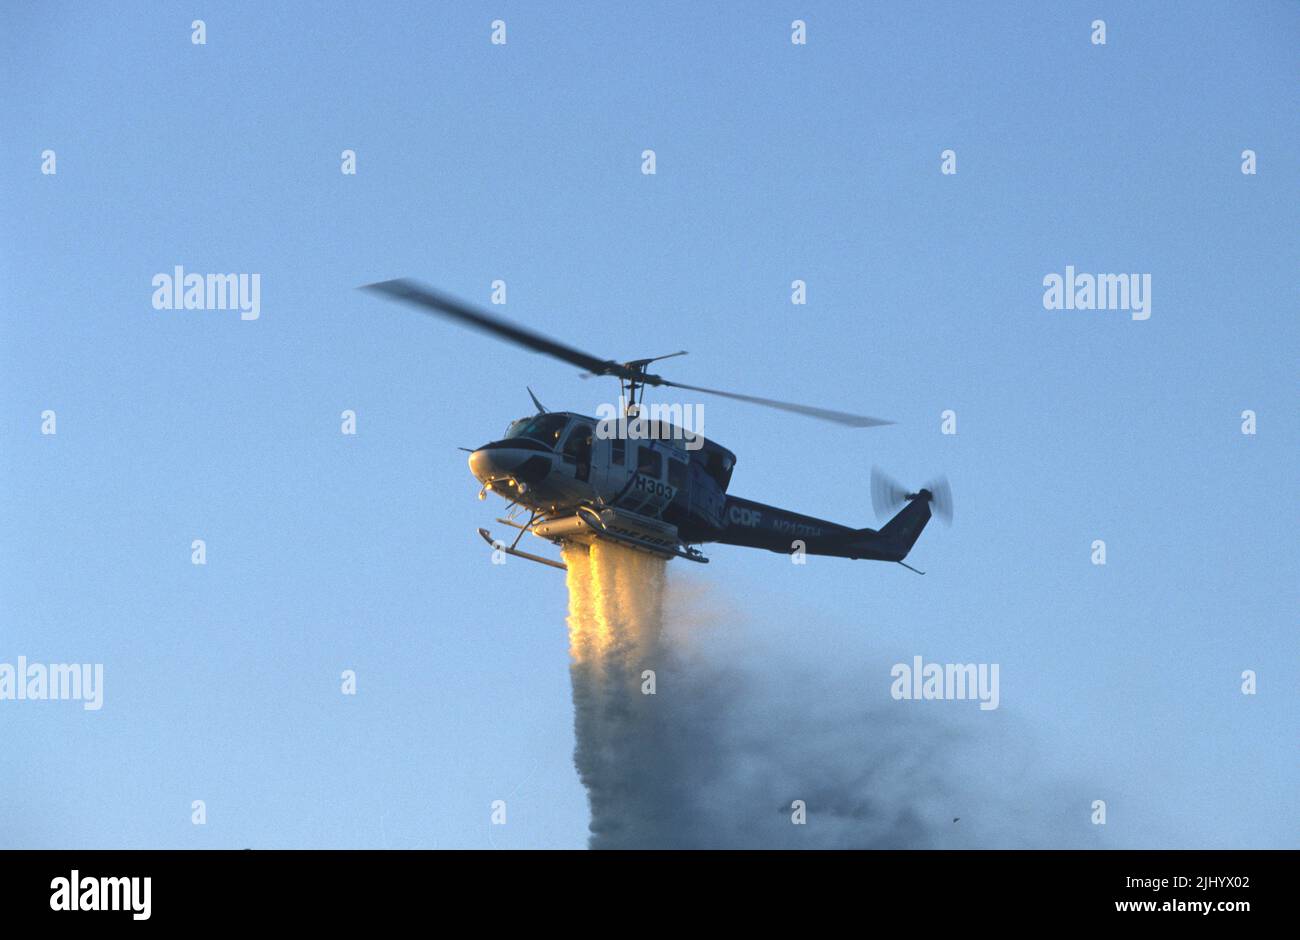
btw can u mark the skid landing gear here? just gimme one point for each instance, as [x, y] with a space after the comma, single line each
[511, 550]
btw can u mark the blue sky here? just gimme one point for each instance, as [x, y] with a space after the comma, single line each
[522, 162]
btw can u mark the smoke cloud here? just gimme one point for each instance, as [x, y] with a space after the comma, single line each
[736, 738]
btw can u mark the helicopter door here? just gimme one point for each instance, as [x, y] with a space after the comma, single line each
[609, 471]
[577, 451]
[679, 468]
[650, 492]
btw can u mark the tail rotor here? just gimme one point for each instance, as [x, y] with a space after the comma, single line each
[888, 495]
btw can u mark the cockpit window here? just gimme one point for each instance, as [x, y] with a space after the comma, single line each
[545, 429]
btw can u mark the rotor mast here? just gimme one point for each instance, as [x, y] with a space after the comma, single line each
[633, 378]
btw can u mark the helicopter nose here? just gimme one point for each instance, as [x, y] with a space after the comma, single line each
[484, 467]
[506, 460]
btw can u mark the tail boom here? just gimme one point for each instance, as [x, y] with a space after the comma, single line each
[757, 525]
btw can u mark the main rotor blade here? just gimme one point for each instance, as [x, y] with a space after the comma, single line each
[825, 414]
[431, 301]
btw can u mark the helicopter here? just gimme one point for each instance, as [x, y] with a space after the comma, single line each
[646, 482]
